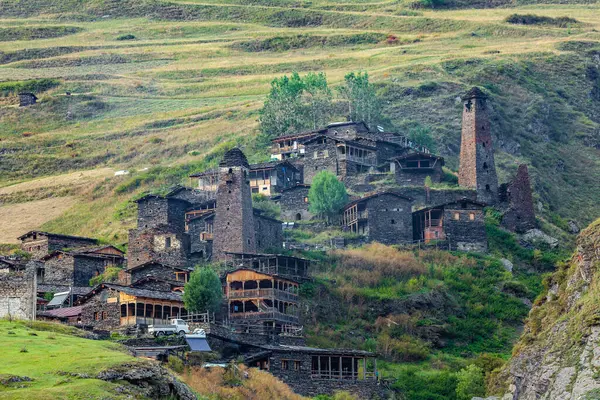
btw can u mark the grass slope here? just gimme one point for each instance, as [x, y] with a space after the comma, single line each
[48, 353]
[195, 73]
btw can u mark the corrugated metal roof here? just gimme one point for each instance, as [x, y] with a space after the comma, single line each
[64, 312]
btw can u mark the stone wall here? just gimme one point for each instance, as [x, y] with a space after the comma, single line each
[294, 204]
[200, 249]
[319, 157]
[465, 233]
[413, 177]
[18, 294]
[162, 244]
[269, 234]
[99, 314]
[520, 216]
[154, 212]
[389, 219]
[59, 270]
[88, 267]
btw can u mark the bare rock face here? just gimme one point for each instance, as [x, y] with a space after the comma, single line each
[558, 356]
[152, 381]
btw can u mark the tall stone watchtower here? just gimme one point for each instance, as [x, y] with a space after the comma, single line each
[477, 168]
[234, 219]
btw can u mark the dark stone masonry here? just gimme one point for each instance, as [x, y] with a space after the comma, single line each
[294, 204]
[520, 216]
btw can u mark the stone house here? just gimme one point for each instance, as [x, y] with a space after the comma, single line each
[384, 217]
[312, 371]
[109, 306]
[27, 99]
[290, 146]
[460, 223]
[75, 268]
[266, 178]
[261, 301]
[413, 168]
[294, 203]
[40, 243]
[8, 265]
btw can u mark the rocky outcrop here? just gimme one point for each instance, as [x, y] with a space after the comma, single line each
[558, 356]
[150, 379]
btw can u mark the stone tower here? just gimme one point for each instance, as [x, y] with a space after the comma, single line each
[477, 168]
[234, 219]
[520, 216]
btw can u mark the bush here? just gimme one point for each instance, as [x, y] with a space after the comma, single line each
[531, 19]
[129, 36]
[175, 364]
[327, 195]
[470, 383]
[34, 86]
[203, 291]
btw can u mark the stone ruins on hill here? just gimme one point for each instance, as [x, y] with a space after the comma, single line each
[215, 221]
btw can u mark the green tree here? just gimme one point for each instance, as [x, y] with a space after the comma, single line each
[316, 100]
[470, 383]
[421, 135]
[203, 291]
[327, 195]
[296, 103]
[363, 104]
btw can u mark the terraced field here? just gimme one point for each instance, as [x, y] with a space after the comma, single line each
[163, 85]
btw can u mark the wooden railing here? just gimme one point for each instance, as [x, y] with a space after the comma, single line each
[259, 293]
[264, 315]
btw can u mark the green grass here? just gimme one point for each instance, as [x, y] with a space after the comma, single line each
[51, 354]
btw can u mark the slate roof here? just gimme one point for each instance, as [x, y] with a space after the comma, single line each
[56, 235]
[234, 158]
[314, 350]
[366, 198]
[161, 264]
[474, 92]
[149, 294]
[464, 199]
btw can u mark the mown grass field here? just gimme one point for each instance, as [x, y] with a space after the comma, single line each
[196, 73]
[48, 354]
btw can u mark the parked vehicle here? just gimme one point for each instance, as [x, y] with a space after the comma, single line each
[178, 326]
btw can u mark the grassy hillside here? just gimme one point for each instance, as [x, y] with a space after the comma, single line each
[168, 85]
[57, 364]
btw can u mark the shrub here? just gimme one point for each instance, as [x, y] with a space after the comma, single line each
[327, 195]
[470, 383]
[34, 85]
[175, 364]
[531, 19]
[129, 36]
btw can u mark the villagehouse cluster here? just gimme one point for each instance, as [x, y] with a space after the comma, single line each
[215, 221]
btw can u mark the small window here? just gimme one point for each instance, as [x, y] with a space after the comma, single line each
[285, 364]
[104, 315]
[393, 222]
[485, 166]
[316, 154]
[457, 216]
[168, 242]
[296, 365]
[326, 153]
[230, 170]
[487, 187]
[472, 216]
[306, 199]
[96, 316]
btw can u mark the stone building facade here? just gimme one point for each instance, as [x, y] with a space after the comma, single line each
[412, 169]
[161, 232]
[40, 243]
[477, 167]
[174, 275]
[460, 223]
[520, 216]
[294, 204]
[269, 234]
[75, 268]
[18, 296]
[384, 217]
[234, 227]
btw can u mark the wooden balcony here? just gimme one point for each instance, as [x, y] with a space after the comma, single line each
[262, 293]
[263, 315]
